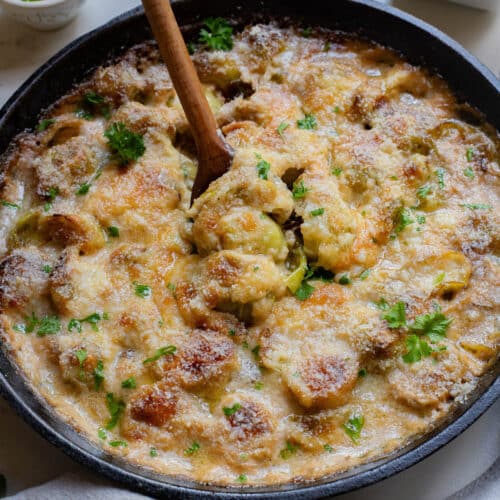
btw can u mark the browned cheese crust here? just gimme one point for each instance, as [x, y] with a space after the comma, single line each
[331, 297]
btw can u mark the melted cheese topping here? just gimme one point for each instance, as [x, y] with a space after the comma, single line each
[191, 340]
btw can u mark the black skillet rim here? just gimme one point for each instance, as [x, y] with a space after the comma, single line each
[42, 419]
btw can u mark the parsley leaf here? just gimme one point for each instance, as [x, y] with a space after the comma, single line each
[288, 451]
[98, 375]
[91, 319]
[434, 325]
[353, 427]
[258, 385]
[9, 204]
[93, 98]
[45, 124]
[113, 231]
[308, 122]
[231, 410]
[242, 478]
[345, 280]
[304, 291]
[417, 349]
[476, 206]
[382, 304]
[336, 171]
[49, 325]
[364, 274]
[263, 168]
[129, 383]
[168, 350]
[328, 448]
[299, 190]
[102, 434]
[403, 220]
[218, 34]
[81, 356]
[117, 443]
[362, 373]
[125, 143]
[282, 127]
[440, 175]
[192, 449]
[469, 172]
[317, 211]
[46, 268]
[143, 291]
[83, 189]
[153, 452]
[469, 154]
[396, 316]
[423, 191]
[116, 409]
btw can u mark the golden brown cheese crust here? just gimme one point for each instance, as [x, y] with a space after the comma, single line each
[175, 339]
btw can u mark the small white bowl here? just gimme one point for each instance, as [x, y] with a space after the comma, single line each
[42, 15]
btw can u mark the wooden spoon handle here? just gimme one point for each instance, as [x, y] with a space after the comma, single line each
[182, 71]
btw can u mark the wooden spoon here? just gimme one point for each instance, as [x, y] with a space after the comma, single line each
[214, 154]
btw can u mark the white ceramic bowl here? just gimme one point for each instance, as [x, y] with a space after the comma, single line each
[42, 14]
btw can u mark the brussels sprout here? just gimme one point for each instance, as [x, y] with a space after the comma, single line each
[454, 272]
[294, 279]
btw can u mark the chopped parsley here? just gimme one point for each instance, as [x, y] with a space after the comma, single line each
[51, 195]
[469, 172]
[289, 450]
[143, 291]
[317, 211]
[217, 34]
[299, 190]
[258, 385]
[9, 204]
[440, 175]
[424, 191]
[129, 383]
[353, 427]
[403, 219]
[232, 332]
[231, 410]
[417, 348]
[336, 171]
[382, 304]
[93, 98]
[91, 319]
[81, 356]
[263, 167]
[48, 325]
[153, 452]
[434, 325]
[242, 478]
[308, 122]
[168, 350]
[102, 434]
[307, 32]
[364, 274]
[439, 278]
[46, 268]
[45, 124]
[281, 128]
[255, 351]
[362, 373]
[421, 219]
[476, 206]
[345, 280]
[328, 448]
[118, 443]
[113, 231]
[469, 154]
[98, 375]
[304, 291]
[83, 189]
[115, 408]
[126, 144]
[396, 315]
[195, 446]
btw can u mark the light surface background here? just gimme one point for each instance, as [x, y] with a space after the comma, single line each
[27, 460]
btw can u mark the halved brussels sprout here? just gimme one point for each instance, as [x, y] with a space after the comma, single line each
[294, 279]
[454, 272]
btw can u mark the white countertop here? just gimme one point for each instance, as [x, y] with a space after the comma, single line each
[27, 460]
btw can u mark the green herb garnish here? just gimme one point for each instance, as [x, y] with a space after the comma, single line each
[81, 356]
[288, 451]
[143, 291]
[353, 427]
[262, 167]
[195, 446]
[396, 315]
[242, 478]
[125, 143]
[469, 154]
[98, 375]
[45, 124]
[345, 280]
[317, 211]
[153, 452]
[282, 127]
[476, 206]
[217, 34]
[299, 190]
[403, 220]
[9, 204]
[328, 448]
[113, 231]
[304, 291]
[129, 383]
[440, 175]
[168, 350]
[118, 443]
[337, 171]
[231, 410]
[308, 122]
[115, 408]
[469, 172]
[91, 319]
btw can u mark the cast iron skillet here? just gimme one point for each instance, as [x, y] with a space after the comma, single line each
[421, 44]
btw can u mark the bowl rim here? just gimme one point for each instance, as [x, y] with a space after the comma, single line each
[376, 472]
